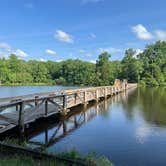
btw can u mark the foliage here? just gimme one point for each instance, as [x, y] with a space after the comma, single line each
[27, 161]
[89, 158]
[147, 68]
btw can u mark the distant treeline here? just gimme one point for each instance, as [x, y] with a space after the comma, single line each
[147, 68]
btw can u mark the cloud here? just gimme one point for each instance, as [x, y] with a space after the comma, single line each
[6, 50]
[110, 50]
[142, 32]
[160, 35]
[93, 61]
[91, 1]
[50, 52]
[63, 36]
[5, 46]
[59, 60]
[20, 53]
[42, 60]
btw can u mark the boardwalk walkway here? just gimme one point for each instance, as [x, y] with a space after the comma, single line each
[21, 110]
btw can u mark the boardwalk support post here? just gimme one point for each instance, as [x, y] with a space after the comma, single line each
[36, 103]
[105, 93]
[97, 95]
[64, 110]
[85, 99]
[21, 118]
[46, 107]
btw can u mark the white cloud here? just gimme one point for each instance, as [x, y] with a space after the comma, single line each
[142, 32]
[91, 1]
[59, 60]
[160, 35]
[93, 61]
[5, 46]
[63, 36]
[50, 52]
[42, 60]
[110, 50]
[6, 50]
[20, 53]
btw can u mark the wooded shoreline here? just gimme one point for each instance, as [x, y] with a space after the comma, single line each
[146, 68]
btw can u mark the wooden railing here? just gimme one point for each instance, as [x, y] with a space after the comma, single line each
[28, 108]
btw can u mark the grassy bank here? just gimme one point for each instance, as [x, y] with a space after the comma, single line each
[27, 161]
[13, 154]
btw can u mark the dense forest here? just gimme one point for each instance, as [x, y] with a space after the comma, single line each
[147, 68]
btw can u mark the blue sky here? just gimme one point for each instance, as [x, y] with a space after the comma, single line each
[61, 29]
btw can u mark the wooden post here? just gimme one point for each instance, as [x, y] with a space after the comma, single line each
[64, 111]
[21, 118]
[46, 136]
[36, 103]
[105, 92]
[75, 121]
[85, 99]
[17, 107]
[97, 95]
[46, 107]
[75, 98]
[64, 127]
[85, 95]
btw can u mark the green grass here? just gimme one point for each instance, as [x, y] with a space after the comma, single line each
[21, 160]
[27, 161]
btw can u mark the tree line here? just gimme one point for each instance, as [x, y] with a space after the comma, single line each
[147, 68]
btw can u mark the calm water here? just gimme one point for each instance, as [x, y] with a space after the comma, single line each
[129, 128]
[10, 91]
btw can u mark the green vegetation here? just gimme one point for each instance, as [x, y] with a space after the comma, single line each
[91, 158]
[148, 68]
[27, 161]
[18, 160]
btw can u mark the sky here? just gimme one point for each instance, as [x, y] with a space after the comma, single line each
[79, 29]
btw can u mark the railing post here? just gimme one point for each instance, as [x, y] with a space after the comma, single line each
[36, 103]
[21, 118]
[75, 98]
[105, 92]
[85, 99]
[97, 95]
[64, 111]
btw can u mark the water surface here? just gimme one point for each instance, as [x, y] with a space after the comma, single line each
[129, 128]
[10, 91]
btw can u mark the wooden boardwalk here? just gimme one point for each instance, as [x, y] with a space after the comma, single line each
[21, 110]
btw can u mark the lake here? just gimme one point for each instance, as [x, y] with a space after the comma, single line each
[10, 91]
[130, 128]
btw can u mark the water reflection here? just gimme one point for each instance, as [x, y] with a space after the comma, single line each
[46, 134]
[129, 128]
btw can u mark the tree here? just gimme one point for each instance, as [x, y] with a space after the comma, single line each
[131, 66]
[103, 69]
